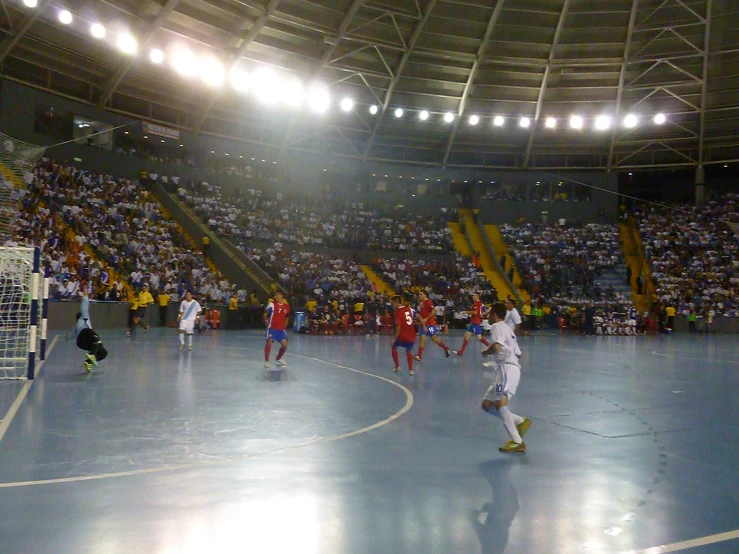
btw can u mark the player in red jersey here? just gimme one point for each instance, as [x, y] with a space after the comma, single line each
[477, 312]
[275, 318]
[405, 330]
[427, 318]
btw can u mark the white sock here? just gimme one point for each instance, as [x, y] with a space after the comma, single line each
[189, 340]
[517, 419]
[507, 418]
[182, 338]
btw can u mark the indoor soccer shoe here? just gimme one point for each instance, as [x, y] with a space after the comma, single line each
[523, 427]
[266, 364]
[417, 358]
[511, 446]
[457, 353]
[92, 359]
[447, 352]
[411, 373]
[282, 363]
[88, 366]
[397, 369]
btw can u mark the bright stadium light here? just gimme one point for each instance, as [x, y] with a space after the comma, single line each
[266, 85]
[97, 30]
[127, 44]
[319, 99]
[293, 93]
[373, 109]
[423, 116]
[212, 71]
[65, 17]
[448, 117]
[399, 112]
[524, 122]
[156, 55]
[602, 123]
[550, 123]
[347, 104]
[630, 121]
[576, 122]
[660, 118]
[498, 120]
[474, 120]
[30, 3]
[239, 81]
[183, 61]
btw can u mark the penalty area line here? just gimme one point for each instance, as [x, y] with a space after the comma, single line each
[8, 419]
[686, 545]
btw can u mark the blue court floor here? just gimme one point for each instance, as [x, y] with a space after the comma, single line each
[635, 444]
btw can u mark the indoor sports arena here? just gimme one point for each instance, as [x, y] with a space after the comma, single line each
[369, 276]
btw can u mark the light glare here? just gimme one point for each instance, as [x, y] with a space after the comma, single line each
[319, 99]
[240, 81]
[127, 44]
[212, 72]
[97, 30]
[424, 115]
[474, 120]
[183, 61]
[156, 55]
[399, 113]
[498, 120]
[525, 122]
[449, 117]
[294, 93]
[576, 122]
[347, 104]
[660, 118]
[602, 122]
[65, 17]
[267, 85]
[30, 3]
[373, 109]
[550, 123]
[630, 121]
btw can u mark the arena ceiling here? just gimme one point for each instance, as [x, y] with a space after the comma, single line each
[514, 58]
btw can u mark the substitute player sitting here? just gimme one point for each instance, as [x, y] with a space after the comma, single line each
[507, 376]
[427, 318]
[187, 318]
[87, 339]
[405, 330]
[276, 318]
[477, 312]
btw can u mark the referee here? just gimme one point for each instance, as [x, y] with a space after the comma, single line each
[140, 303]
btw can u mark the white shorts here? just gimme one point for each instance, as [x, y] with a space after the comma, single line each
[506, 381]
[187, 326]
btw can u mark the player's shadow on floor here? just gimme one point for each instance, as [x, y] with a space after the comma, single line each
[493, 520]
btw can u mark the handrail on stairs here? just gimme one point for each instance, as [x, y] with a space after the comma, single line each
[500, 269]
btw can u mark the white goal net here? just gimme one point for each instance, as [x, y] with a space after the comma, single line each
[18, 336]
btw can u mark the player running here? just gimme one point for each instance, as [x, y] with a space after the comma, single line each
[187, 318]
[275, 318]
[87, 339]
[507, 377]
[477, 312]
[427, 318]
[405, 330]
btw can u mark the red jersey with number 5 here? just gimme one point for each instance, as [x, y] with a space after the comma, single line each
[427, 309]
[404, 320]
[477, 309]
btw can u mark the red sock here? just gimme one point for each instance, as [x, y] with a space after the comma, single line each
[483, 341]
[267, 350]
[395, 357]
[409, 356]
[281, 352]
[420, 351]
[464, 345]
[443, 346]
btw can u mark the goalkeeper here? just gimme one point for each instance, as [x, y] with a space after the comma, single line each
[87, 339]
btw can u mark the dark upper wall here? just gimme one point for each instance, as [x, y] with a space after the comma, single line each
[302, 171]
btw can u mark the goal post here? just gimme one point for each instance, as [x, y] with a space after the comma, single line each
[21, 290]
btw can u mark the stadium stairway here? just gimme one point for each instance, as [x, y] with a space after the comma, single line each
[236, 266]
[614, 278]
[471, 239]
[500, 249]
[635, 259]
[381, 286]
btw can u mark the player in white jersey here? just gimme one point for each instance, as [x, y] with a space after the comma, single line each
[188, 316]
[503, 349]
[513, 320]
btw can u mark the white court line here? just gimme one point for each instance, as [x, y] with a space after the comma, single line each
[685, 545]
[8, 419]
[408, 405]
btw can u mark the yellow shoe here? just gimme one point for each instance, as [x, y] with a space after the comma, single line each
[513, 447]
[523, 427]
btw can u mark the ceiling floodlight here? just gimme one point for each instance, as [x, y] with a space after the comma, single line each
[293, 92]
[550, 123]
[156, 55]
[97, 30]
[373, 109]
[184, 62]
[239, 81]
[399, 112]
[660, 118]
[319, 99]
[347, 104]
[474, 120]
[630, 121]
[30, 3]
[212, 71]
[448, 117]
[423, 116]
[65, 17]
[266, 85]
[524, 122]
[576, 122]
[127, 44]
[602, 123]
[498, 120]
